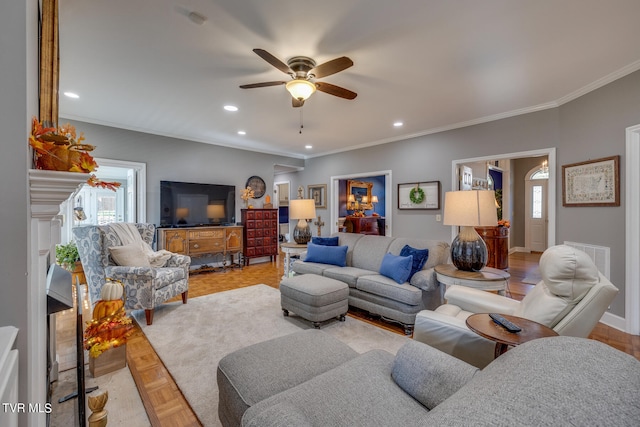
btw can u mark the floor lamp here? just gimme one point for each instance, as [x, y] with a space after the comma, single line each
[469, 209]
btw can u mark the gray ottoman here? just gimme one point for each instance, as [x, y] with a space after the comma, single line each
[254, 373]
[315, 298]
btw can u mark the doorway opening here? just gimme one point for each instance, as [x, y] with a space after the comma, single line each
[335, 197]
[550, 153]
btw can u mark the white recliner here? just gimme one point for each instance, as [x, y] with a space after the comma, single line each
[571, 298]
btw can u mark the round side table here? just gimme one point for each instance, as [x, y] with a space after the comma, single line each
[291, 248]
[484, 326]
[487, 279]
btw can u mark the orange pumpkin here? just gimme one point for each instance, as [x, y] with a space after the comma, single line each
[106, 308]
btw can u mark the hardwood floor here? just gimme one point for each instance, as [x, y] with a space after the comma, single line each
[163, 400]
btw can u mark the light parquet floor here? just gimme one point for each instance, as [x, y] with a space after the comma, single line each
[163, 400]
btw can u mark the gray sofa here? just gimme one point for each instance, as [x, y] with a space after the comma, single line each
[545, 382]
[375, 293]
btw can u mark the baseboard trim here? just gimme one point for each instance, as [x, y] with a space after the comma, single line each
[519, 249]
[614, 321]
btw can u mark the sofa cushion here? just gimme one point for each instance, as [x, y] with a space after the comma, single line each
[555, 381]
[348, 275]
[396, 267]
[303, 267]
[325, 241]
[378, 284]
[419, 258]
[369, 250]
[334, 255]
[254, 373]
[360, 392]
[429, 375]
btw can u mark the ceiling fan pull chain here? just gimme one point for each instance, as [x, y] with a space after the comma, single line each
[301, 125]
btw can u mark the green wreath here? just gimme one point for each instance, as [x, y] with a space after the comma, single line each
[416, 195]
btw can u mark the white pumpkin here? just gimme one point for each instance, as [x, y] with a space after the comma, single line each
[111, 291]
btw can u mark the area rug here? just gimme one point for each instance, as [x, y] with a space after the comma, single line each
[191, 339]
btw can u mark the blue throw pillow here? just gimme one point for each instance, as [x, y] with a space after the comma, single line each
[325, 241]
[396, 267]
[419, 258]
[335, 255]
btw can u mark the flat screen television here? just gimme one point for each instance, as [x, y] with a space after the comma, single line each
[189, 204]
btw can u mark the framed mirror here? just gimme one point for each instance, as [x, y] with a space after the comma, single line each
[360, 189]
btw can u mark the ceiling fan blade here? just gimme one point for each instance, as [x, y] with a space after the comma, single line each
[263, 84]
[335, 90]
[331, 67]
[296, 103]
[273, 61]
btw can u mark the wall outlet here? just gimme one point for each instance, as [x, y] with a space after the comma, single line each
[438, 218]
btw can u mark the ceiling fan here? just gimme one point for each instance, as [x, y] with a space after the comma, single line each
[303, 72]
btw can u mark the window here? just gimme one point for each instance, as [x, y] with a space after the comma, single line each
[100, 206]
[536, 202]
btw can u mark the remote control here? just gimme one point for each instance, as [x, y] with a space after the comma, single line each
[509, 326]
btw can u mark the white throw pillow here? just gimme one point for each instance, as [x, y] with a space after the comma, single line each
[129, 256]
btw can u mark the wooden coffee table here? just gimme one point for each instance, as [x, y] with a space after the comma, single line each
[484, 326]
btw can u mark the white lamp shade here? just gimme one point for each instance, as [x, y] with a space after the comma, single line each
[365, 199]
[182, 212]
[474, 208]
[351, 198]
[374, 199]
[300, 89]
[302, 209]
[215, 211]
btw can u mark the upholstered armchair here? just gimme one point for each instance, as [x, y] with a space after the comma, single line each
[145, 287]
[571, 298]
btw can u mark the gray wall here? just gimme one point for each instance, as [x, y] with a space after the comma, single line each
[589, 127]
[174, 159]
[18, 103]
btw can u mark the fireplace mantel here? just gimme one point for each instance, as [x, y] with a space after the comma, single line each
[47, 190]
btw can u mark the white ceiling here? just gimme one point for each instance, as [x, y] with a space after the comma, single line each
[432, 64]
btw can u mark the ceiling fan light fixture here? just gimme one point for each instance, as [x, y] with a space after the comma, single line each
[300, 89]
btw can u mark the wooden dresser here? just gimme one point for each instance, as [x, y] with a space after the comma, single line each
[260, 233]
[222, 242]
[497, 241]
[362, 225]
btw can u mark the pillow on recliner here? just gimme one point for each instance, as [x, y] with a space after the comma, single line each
[334, 255]
[129, 256]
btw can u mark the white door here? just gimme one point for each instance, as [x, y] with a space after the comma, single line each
[536, 210]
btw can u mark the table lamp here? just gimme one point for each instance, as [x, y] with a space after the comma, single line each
[469, 209]
[374, 200]
[215, 213]
[351, 202]
[302, 210]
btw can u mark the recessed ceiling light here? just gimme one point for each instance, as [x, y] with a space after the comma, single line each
[398, 124]
[308, 146]
[241, 132]
[231, 108]
[72, 95]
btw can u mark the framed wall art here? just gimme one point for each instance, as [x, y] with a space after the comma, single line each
[360, 189]
[318, 192]
[419, 195]
[592, 183]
